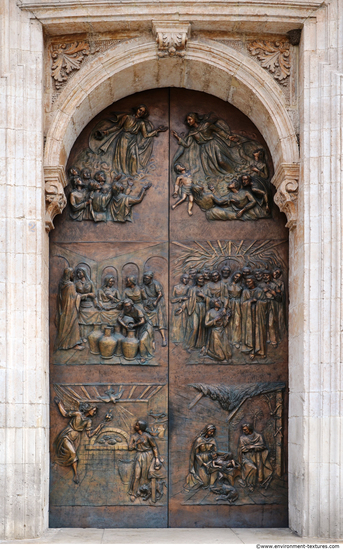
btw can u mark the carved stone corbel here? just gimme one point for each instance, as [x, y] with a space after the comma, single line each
[171, 37]
[286, 181]
[55, 199]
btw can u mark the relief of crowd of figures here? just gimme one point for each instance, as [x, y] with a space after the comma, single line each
[119, 461]
[231, 308]
[225, 174]
[233, 304]
[107, 323]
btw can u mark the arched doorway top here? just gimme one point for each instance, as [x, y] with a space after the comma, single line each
[207, 66]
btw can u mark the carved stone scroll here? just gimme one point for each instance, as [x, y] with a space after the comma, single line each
[55, 199]
[286, 181]
[171, 38]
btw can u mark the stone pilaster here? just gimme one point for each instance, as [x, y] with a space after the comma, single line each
[23, 281]
[316, 424]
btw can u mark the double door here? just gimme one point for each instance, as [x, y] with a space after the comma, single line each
[168, 322]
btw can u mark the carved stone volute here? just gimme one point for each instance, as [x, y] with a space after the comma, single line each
[171, 37]
[286, 181]
[55, 199]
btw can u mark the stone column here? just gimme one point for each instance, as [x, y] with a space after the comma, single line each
[23, 280]
[316, 424]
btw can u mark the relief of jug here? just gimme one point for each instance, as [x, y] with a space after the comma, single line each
[130, 345]
[119, 337]
[93, 339]
[107, 344]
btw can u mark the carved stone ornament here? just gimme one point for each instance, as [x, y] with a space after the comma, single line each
[171, 38]
[274, 57]
[67, 58]
[55, 199]
[286, 181]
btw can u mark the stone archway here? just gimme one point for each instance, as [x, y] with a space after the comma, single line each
[215, 69]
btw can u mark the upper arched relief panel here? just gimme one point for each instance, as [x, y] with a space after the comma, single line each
[176, 60]
[213, 167]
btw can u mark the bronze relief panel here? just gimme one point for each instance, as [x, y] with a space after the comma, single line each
[229, 301]
[168, 315]
[109, 310]
[119, 460]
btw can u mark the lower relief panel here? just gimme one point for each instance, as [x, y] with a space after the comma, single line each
[109, 454]
[228, 452]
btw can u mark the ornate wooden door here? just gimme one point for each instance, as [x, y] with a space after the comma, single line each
[168, 322]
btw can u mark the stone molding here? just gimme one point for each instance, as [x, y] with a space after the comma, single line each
[286, 181]
[55, 199]
[228, 15]
[171, 37]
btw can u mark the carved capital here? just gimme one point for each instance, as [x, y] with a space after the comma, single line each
[171, 37]
[55, 199]
[286, 181]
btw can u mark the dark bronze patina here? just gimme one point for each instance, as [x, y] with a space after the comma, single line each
[175, 320]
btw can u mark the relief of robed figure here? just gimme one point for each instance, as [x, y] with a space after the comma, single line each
[68, 440]
[216, 321]
[210, 149]
[202, 448]
[68, 303]
[254, 458]
[148, 466]
[125, 140]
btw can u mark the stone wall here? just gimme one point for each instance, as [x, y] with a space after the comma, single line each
[23, 281]
[314, 105]
[316, 426]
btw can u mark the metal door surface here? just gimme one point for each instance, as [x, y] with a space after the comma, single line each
[168, 322]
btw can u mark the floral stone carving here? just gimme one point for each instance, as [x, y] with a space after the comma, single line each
[274, 57]
[67, 58]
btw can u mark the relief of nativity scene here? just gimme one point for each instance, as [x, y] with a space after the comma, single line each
[238, 459]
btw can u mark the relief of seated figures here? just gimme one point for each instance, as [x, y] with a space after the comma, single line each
[239, 460]
[105, 324]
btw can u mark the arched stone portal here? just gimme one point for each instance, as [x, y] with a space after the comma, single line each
[217, 71]
[315, 259]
